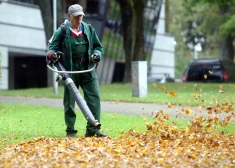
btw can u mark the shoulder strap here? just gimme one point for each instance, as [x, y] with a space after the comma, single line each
[90, 27]
[63, 30]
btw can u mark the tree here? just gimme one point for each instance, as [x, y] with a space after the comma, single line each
[132, 16]
[217, 18]
[46, 8]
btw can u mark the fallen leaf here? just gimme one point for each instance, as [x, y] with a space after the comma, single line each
[220, 91]
[172, 93]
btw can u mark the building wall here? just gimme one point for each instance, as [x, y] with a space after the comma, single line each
[162, 61]
[22, 33]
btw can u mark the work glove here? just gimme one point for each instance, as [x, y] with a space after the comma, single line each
[53, 57]
[95, 58]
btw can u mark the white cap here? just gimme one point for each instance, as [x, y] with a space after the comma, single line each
[76, 10]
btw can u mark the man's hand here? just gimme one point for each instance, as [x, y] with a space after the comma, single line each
[95, 58]
[59, 53]
[54, 56]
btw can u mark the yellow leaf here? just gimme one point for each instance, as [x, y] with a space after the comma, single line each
[164, 89]
[160, 160]
[228, 117]
[154, 85]
[170, 106]
[172, 93]
[221, 91]
[188, 111]
[208, 108]
[221, 87]
[195, 95]
[164, 143]
[167, 116]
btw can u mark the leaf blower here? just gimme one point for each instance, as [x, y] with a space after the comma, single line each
[57, 67]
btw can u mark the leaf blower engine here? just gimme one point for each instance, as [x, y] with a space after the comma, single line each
[57, 67]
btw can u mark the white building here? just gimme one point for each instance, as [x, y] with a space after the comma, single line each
[23, 41]
[23, 45]
[162, 63]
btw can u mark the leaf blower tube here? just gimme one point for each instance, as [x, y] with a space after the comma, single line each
[74, 91]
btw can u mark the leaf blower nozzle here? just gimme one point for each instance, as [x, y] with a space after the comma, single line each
[74, 91]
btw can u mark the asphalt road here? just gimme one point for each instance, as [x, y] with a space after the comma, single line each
[144, 109]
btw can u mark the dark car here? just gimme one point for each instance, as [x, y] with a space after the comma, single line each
[205, 70]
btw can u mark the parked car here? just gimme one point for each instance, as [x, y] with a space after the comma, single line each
[205, 70]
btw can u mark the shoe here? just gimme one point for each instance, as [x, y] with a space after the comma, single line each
[97, 134]
[71, 135]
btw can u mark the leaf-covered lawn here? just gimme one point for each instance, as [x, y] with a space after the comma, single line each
[199, 144]
[170, 149]
[207, 140]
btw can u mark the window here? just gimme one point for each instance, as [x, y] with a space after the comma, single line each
[26, 1]
[91, 7]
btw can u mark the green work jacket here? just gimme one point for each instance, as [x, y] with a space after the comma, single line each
[95, 45]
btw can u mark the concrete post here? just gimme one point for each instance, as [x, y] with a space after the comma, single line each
[139, 78]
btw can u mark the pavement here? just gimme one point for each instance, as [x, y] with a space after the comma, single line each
[142, 109]
[106, 106]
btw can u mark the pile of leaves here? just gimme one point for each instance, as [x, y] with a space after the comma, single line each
[199, 144]
[162, 145]
[136, 150]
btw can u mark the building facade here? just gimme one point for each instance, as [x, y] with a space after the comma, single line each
[23, 42]
[22, 45]
[162, 62]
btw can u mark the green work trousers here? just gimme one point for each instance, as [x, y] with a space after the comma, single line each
[90, 86]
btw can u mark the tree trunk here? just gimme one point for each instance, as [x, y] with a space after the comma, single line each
[226, 48]
[46, 7]
[226, 43]
[60, 12]
[139, 53]
[127, 33]
[46, 12]
[227, 55]
[132, 14]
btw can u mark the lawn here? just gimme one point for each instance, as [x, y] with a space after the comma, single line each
[23, 122]
[20, 122]
[32, 136]
[175, 93]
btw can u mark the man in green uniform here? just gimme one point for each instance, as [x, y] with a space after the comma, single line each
[82, 50]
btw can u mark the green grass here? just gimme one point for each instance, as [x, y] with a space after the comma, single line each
[185, 93]
[23, 122]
